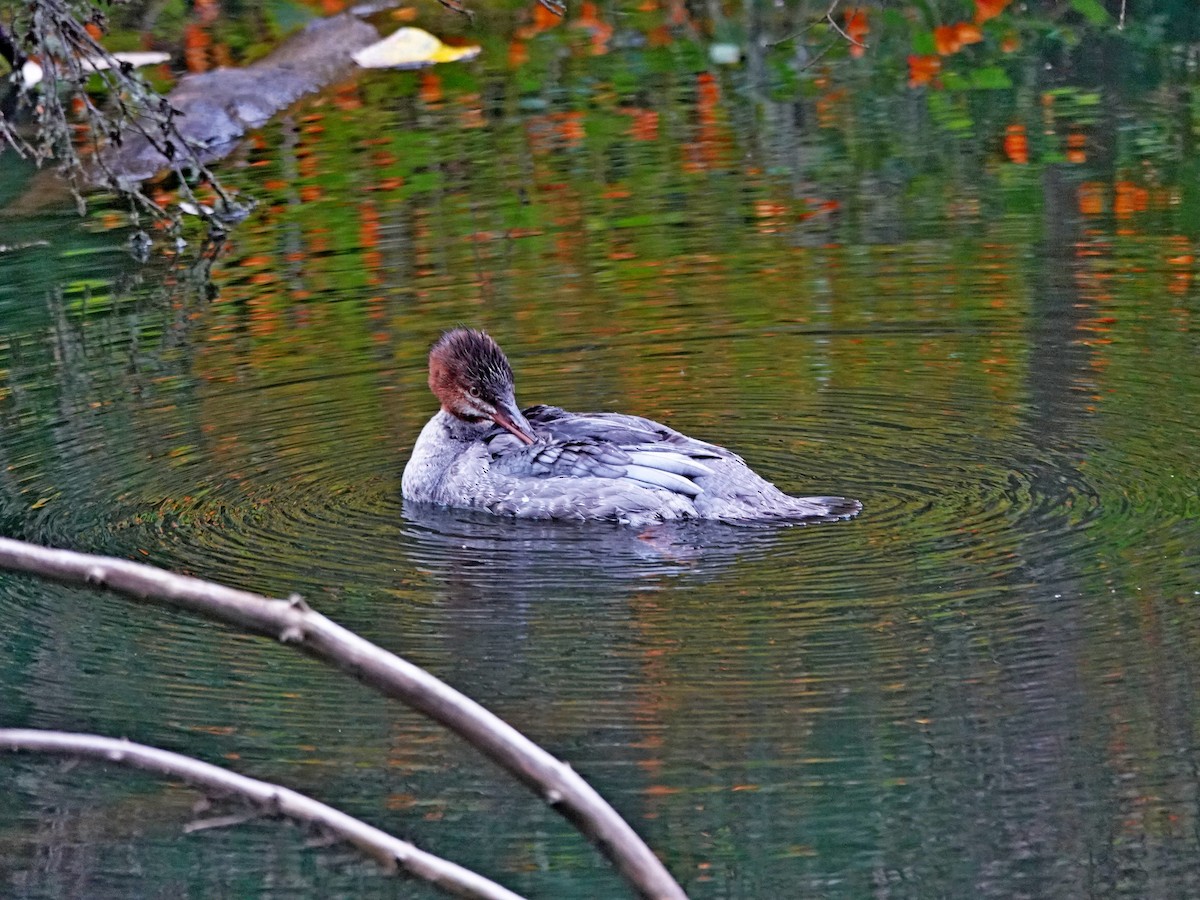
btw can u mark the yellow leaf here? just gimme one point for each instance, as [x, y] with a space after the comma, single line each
[411, 48]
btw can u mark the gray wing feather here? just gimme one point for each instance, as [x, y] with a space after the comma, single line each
[576, 460]
[664, 479]
[666, 469]
[630, 432]
[669, 461]
[604, 445]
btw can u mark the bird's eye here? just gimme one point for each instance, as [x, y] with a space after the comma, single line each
[474, 392]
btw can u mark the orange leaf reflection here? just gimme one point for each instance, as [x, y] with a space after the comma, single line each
[599, 32]
[857, 27]
[1076, 143]
[945, 39]
[968, 33]
[989, 9]
[1091, 198]
[923, 69]
[543, 18]
[659, 790]
[645, 125]
[196, 43]
[430, 90]
[1129, 198]
[1016, 144]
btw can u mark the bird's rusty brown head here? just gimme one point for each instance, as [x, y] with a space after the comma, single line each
[471, 377]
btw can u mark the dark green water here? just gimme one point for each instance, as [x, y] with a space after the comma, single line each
[984, 686]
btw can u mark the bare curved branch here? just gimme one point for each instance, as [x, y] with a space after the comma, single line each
[390, 852]
[293, 622]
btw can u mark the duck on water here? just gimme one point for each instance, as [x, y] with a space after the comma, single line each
[481, 451]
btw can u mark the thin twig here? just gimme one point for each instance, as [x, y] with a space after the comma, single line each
[390, 852]
[838, 28]
[795, 34]
[217, 822]
[293, 622]
[813, 24]
[817, 57]
[455, 6]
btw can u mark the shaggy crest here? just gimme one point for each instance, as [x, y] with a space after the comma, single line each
[470, 358]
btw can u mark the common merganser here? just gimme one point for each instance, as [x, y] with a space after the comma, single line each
[481, 451]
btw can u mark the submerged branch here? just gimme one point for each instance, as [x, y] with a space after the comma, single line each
[272, 799]
[293, 622]
[558, 7]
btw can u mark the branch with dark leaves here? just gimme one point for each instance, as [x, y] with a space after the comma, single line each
[69, 56]
[293, 622]
[390, 852]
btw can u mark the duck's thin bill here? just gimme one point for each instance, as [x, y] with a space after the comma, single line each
[519, 426]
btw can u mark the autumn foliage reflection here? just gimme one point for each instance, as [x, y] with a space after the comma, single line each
[617, 142]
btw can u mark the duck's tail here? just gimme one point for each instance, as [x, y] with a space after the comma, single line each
[833, 509]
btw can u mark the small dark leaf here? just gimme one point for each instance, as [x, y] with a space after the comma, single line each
[139, 246]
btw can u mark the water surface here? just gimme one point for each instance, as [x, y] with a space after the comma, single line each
[983, 686]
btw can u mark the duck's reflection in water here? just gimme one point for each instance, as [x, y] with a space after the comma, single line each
[521, 559]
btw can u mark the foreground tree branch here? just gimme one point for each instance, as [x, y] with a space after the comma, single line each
[390, 852]
[293, 622]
